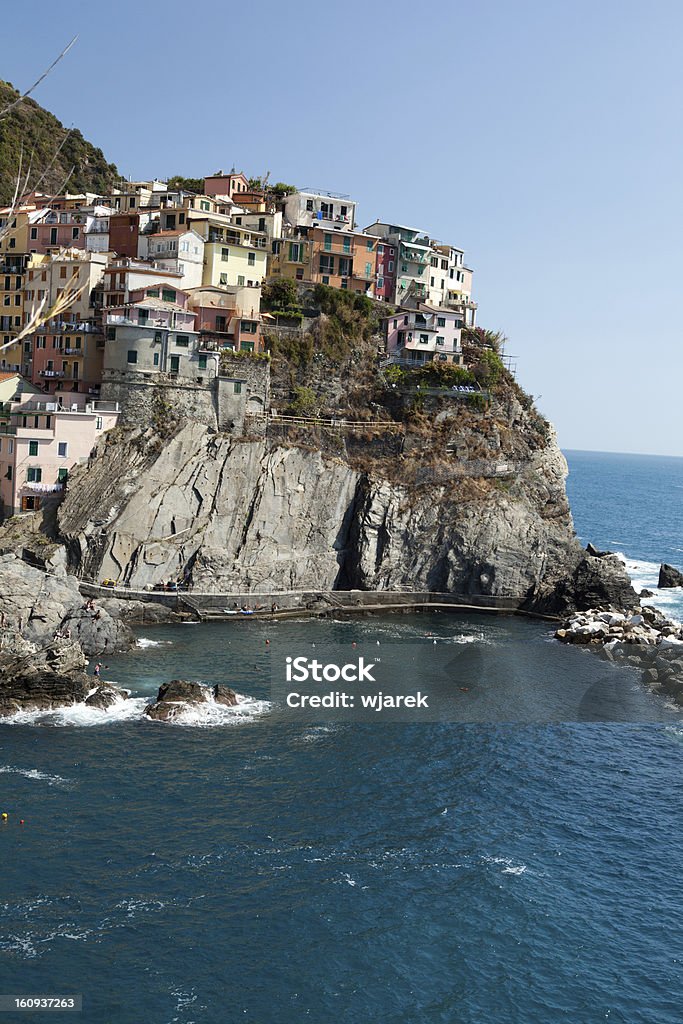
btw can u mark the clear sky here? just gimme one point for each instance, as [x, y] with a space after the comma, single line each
[542, 136]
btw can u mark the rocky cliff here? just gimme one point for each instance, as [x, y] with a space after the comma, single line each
[231, 514]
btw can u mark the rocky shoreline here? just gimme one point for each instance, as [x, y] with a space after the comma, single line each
[641, 637]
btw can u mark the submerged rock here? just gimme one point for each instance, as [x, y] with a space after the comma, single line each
[179, 696]
[669, 577]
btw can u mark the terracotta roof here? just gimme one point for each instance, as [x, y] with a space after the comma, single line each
[8, 376]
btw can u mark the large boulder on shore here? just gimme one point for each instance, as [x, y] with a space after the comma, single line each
[597, 581]
[179, 696]
[669, 577]
[34, 680]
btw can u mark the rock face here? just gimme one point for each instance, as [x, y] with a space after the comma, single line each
[179, 696]
[238, 515]
[39, 607]
[669, 577]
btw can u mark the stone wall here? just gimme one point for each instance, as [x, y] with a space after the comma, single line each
[242, 388]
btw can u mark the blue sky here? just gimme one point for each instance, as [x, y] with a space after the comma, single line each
[541, 135]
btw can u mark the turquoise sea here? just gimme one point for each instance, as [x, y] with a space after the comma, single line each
[267, 870]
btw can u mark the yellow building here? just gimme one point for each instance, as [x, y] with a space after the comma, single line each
[292, 258]
[233, 255]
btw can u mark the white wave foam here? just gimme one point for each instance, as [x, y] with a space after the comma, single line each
[509, 866]
[33, 773]
[81, 715]
[144, 641]
[210, 714]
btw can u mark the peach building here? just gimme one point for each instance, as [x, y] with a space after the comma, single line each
[42, 441]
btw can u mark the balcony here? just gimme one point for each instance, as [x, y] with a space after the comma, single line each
[336, 218]
[51, 373]
[73, 351]
[415, 257]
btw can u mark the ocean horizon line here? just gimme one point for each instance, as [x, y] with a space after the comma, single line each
[606, 451]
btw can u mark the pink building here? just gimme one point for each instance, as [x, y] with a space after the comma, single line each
[42, 441]
[419, 336]
[385, 279]
[57, 229]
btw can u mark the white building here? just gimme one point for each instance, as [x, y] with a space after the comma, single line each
[322, 209]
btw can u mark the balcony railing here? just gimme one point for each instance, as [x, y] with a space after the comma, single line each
[73, 351]
[51, 373]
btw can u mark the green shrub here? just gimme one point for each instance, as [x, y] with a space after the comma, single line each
[281, 293]
[305, 402]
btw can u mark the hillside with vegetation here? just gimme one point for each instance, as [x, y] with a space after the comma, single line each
[60, 156]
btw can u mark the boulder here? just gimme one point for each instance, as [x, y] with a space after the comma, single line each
[105, 697]
[224, 695]
[594, 553]
[669, 577]
[646, 593]
[178, 696]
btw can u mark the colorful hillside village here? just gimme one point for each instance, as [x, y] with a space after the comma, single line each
[152, 282]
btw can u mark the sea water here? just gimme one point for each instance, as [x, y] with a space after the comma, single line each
[247, 866]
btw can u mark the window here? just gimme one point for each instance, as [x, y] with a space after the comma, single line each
[33, 448]
[157, 337]
[296, 252]
[175, 364]
[405, 319]
[204, 205]
[34, 234]
[40, 341]
[347, 245]
[237, 388]
[326, 264]
[62, 474]
[369, 245]
[441, 321]
[328, 242]
[62, 449]
[9, 473]
[343, 210]
[132, 202]
[326, 279]
[111, 334]
[444, 264]
[132, 355]
[225, 255]
[424, 339]
[34, 474]
[202, 362]
[431, 282]
[156, 358]
[309, 204]
[380, 282]
[74, 232]
[251, 259]
[168, 295]
[152, 293]
[99, 423]
[182, 341]
[368, 269]
[440, 340]
[434, 262]
[240, 280]
[223, 279]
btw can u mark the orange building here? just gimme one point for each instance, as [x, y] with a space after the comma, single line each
[343, 259]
